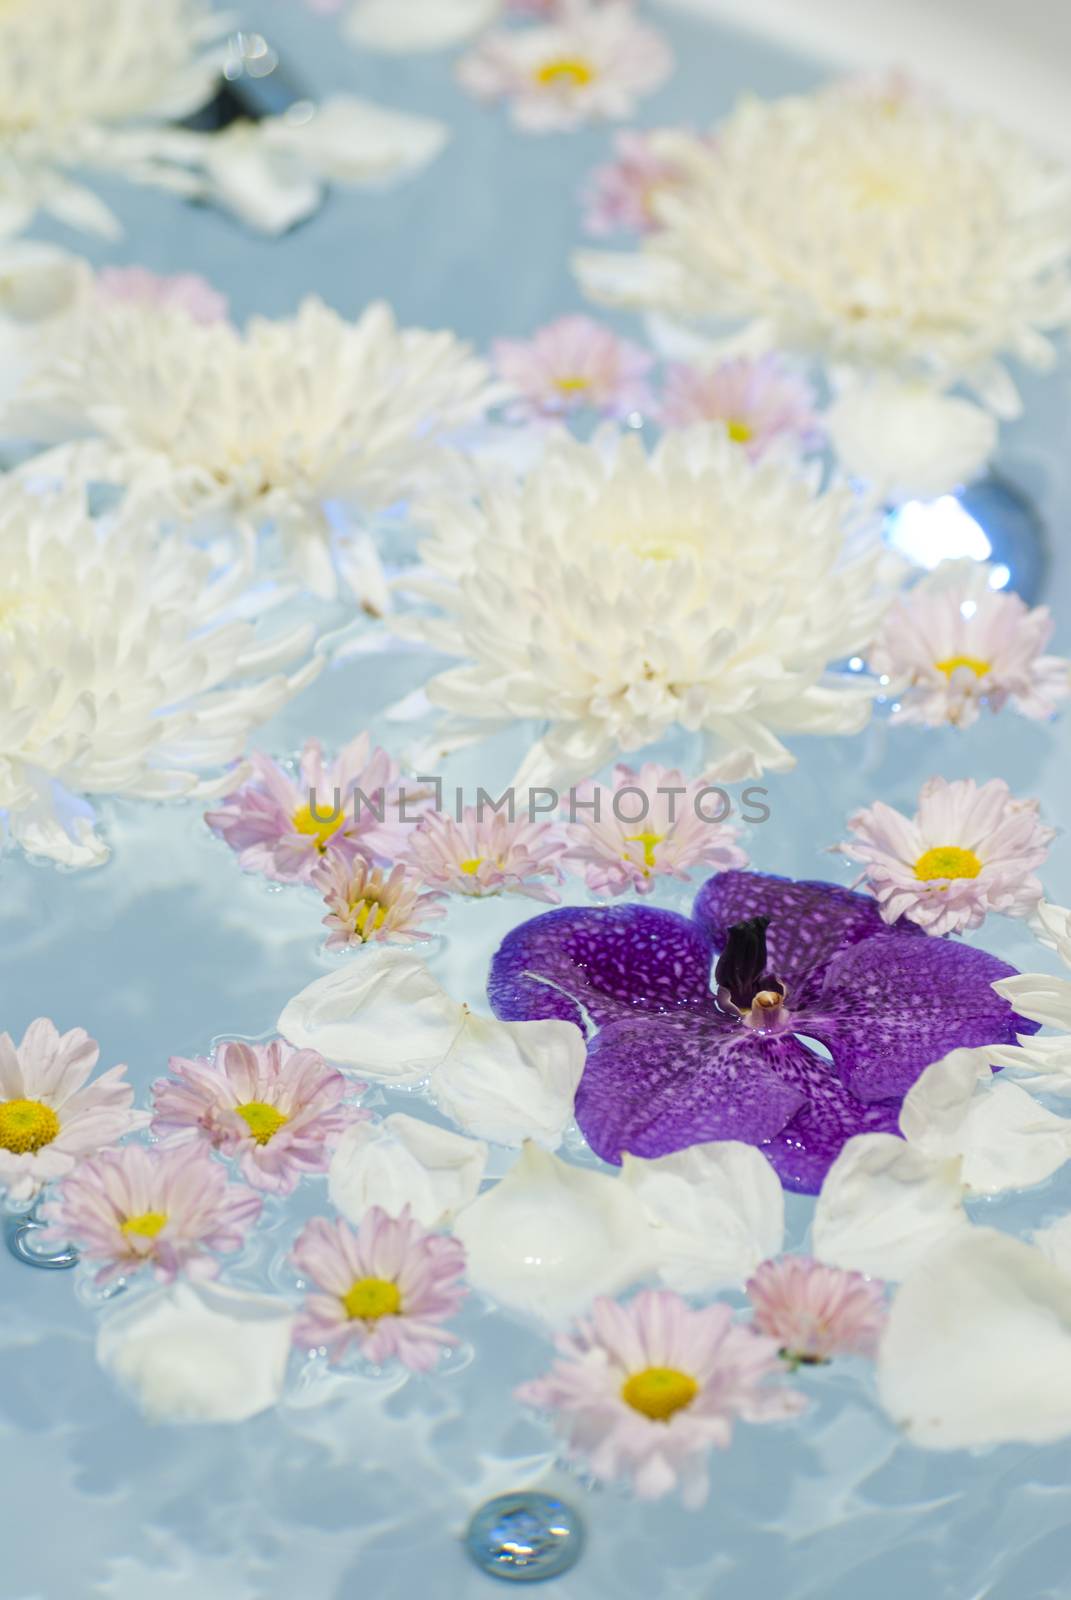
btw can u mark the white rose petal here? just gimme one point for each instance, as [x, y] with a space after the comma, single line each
[550, 1237]
[405, 1162]
[199, 1353]
[716, 1211]
[511, 1081]
[397, 26]
[909, 441]
[884, 1204]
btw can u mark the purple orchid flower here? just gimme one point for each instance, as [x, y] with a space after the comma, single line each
[822, 1019]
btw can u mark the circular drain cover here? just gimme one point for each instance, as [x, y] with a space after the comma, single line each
[525, 1537]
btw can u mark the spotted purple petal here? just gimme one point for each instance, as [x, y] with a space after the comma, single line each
[603, 961]
[805, 1149]
[889, 1007]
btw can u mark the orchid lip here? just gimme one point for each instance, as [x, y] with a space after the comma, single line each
[744, 985]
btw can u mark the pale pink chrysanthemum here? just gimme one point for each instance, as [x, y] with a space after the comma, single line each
[815, 1312]
[181, 291]
[50, 1116]
[968, 850]
[279, 830]
[366, 904]
[384, 1288]
[590, 62]
[759, 400]
[278, 1111]
[619, 196]
[952, 645]
[574, 364]
[165, 1209]
[642, 1391]
[485, 855]
[651, 823]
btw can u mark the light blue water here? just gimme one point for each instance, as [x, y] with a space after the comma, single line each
[366, 1491]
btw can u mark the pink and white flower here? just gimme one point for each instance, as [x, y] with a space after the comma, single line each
[952, 645]
[574, 364]
[620, 195]
[181, 291]
[277, 1111]
[969, 849]
[486, 855]
[590, 62]
[760, 402]
[643, 1391]
[165, 1209]
[817, 1312]
[648, 824]
[50, 1116]
[366, 904]
[385, 1288]
[282, 825]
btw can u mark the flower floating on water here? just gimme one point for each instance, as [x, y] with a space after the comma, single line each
[816, 1312]
[614, 596]
[760, 402]
[1047, 1001]
[969, 849]
[168, 1209]
[908, 441]
[187, 291]
[591, 62]
[672, 1064]
[620, 195]
[952, 645]
[52, 1115]
[385, 1288]
[278, 1112]
[575, 364]
[486, 855]
[642, 1391]
[279, 829]
[366, 903]
[663, 832]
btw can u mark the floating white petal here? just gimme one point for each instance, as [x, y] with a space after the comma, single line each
[884, 1204]
[511, 1081]
[397, 26]
[403, 1161]
[908, 441]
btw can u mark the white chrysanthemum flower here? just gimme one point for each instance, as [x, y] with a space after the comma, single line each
[880, 231]
[122, 660]
[909, 441]
[615, 596]
[262, 426]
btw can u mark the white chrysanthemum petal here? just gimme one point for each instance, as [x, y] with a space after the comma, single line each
[200, 1353]
[716, 1211]
[403, 1161]
[1040, 997]
[909, 441]
[511, 1081]
[977, 1350]
[417, 24]
[884, 1204]
[549, 1237]
[383, 1014]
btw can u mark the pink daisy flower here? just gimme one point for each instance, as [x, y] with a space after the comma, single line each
[968, 850]
[590, 62]
[183, 291]
[651, 823]
[817, 1312]
[952, 645]
[487, 855]
[277, 1111]
[385, 1288]
[366, 904]
[643, 1391]
[574, 364]
[50, 1116]
[276, 829]
[760, 402]
[620, 195]
[141, 1207]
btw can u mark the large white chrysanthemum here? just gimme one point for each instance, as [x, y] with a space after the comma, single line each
[261, 427]
[876, 229]
[615, 595]
[124, 669]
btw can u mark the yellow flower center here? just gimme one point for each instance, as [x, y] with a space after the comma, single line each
[573, 70]
[262, 1120]
[472, 866]
[650, 841]
[320, 828]
[947, 861]
[659, 1392]
[975, 664]
[371, 1298]
[369, 915]
[570, 385]
[147, 1225]
[26, 1126]
[739, 432]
